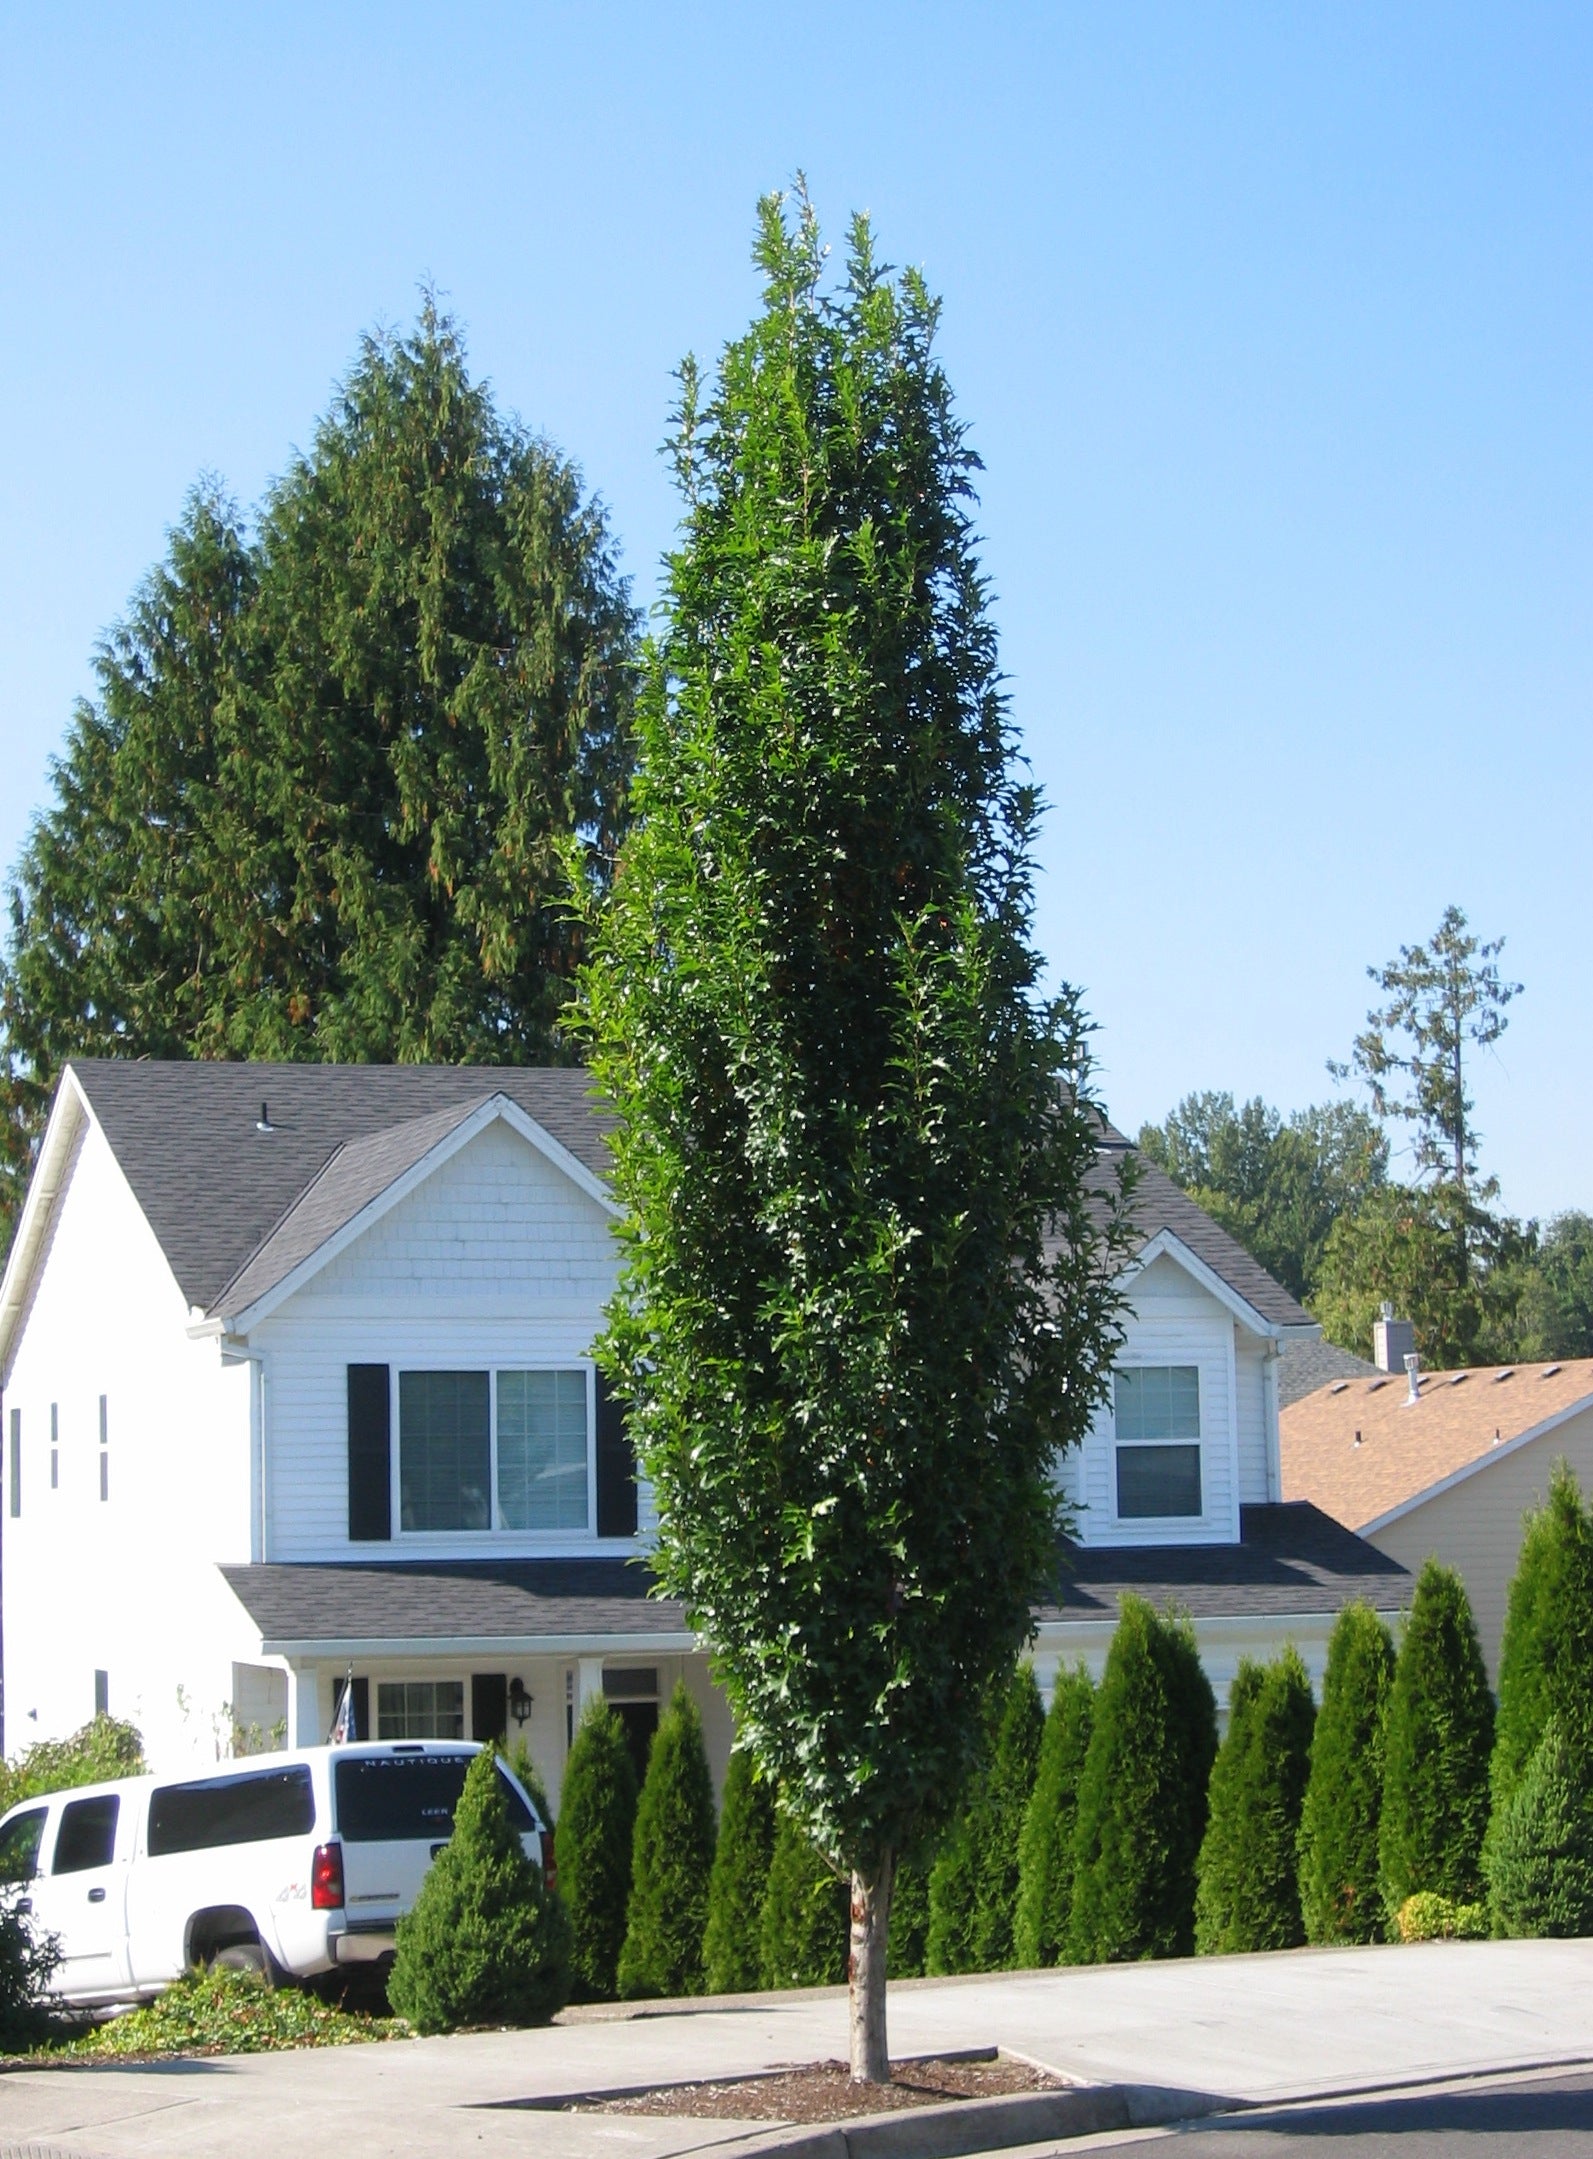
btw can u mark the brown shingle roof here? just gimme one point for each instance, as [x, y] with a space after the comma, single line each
[1405, 1448]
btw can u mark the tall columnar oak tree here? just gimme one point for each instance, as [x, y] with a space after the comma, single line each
[868, 1291]
[1436, 1749]
[315, 807]
[1339, 1896]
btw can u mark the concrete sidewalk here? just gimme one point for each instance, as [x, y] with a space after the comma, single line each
[1247, 2028]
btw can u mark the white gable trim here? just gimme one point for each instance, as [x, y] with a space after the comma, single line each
[1166, 1245]
[1470, 1469]
[497, 1109]
[46, 1188]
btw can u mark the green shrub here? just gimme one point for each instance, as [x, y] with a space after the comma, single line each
[1142, 1797]
[740, 1879]
[1248, 1894]
[484, 1943]
[999, 1824]
[1045, 1847]
[1340, 1896]
[672, 1856]
[1540, 1851]
[907, 1946]
[531, 1778]
[1546, 1655]
[26, 1963]
[597, 1828]
[953, 1891]
[805, 1927]
[220, 2012]
[1435, 1756]
[1428, 1917]
[105, 1748]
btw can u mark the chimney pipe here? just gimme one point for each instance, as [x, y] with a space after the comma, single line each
[1392, 1341]
[1412, 1372]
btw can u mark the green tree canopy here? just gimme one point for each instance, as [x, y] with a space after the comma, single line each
[672, 1860]
[1340, 1898]
[597, 1822]
[316, 805]
[1435, 1754]
[1546, 1654]
[868, 1290]
[1553, 1291]
[1248, 1894]
[1045, 1848]
[1142, 1797]
[1279, 1185]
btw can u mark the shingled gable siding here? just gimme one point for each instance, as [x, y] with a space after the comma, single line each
[495, 1260]
[129, 1585]
[1174, 1322]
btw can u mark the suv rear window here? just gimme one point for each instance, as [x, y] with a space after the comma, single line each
[409, 1798]
[231, 1810]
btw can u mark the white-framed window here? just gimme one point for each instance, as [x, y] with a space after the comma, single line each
[420, 1709]
[502, 1449]
[1157, 1417]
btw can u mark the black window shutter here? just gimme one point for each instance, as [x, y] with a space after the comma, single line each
[362, 1709]
[489, 1705]
[370, 1462]
[616, 1467]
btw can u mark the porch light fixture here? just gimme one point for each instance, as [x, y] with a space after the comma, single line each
[519, 1701]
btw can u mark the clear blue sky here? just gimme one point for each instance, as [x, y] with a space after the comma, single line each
[1272, 325]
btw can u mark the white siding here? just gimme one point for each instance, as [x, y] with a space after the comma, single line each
[497, 1258]
[127, 1585]
[1249, 1369]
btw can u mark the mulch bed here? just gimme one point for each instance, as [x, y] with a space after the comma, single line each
[824, 2091]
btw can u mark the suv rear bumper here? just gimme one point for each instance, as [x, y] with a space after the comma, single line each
[363, 1941]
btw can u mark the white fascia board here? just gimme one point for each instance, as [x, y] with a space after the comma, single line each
[46, 1187]
[390, 1647]
[497, 1109]
[1471, 1469]
[1166, 1244]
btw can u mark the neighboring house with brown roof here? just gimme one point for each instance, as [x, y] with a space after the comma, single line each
[298, 1379]
[1443, 1462]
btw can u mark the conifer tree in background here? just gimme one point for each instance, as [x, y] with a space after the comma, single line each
[1340, 1896]
[1546, 1656]
[672, 1860]
[1142, 1797]
[872, 1247]
[597, 1825]
[1009, 1787]
[316, 806]
[1435, 1757]
[1045, 1847]
[952, 1892]
[803, 1928]
[485, 1942]
[1248, 1896]
[531, 1779]
[907, 1954]
[1540, 1848]
[739, 1881]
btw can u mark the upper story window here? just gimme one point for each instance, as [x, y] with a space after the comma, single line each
[494, 1450]
[1158, 1441]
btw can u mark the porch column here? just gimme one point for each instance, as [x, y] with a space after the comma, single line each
[305, 1720]
[588, 1681]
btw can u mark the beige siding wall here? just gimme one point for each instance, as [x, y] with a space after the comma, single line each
[1475, 1526]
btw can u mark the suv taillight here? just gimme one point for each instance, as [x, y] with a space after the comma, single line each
[550, 1865]
[326, 1878]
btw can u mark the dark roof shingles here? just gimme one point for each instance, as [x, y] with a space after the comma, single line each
[426, 1600]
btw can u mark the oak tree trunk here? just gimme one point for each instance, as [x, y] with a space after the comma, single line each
[865, 1971]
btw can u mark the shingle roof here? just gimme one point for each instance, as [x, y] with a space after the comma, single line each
[1406, 1447]
[1307, 1365]
[213, 1188]
[1291, 1560]
[431, 1600]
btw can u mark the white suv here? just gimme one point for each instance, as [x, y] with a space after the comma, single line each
[287, 1864]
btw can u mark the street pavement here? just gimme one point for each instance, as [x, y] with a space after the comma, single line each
[1307, 2024]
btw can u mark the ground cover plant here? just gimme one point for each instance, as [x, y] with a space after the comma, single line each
[1340, 1896]
[224, 2012]
[672, 1856]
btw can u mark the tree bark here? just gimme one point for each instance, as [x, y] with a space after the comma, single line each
[865, 1971]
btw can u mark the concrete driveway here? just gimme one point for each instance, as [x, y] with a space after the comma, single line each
[1249, 2028]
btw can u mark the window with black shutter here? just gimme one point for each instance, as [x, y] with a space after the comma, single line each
[370, 1455]
[616, 1467]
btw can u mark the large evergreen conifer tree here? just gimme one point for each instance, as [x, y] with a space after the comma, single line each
[1435, 1756]
[870, 1285]
[1340, 1896]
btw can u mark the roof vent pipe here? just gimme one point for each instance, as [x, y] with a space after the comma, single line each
[1412, 1372]
[263, 1122]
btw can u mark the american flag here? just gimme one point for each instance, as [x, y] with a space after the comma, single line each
[343, 1724]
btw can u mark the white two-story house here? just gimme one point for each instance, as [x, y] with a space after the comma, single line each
[297, 1384]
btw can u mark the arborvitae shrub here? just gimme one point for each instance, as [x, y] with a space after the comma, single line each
[739, 1880]
[1340, 1897]
[672, 1857]
[953, 1895]
[1436, 1750]
[484, 1942]
[597, 1827]
[1248, 1896]
[531, 1778]
[1546, 1656]
[1142, 1798]
[998, 1825]
[1045, 1848]
[805, 1926]
[907, 1946]
[1540, 1853]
